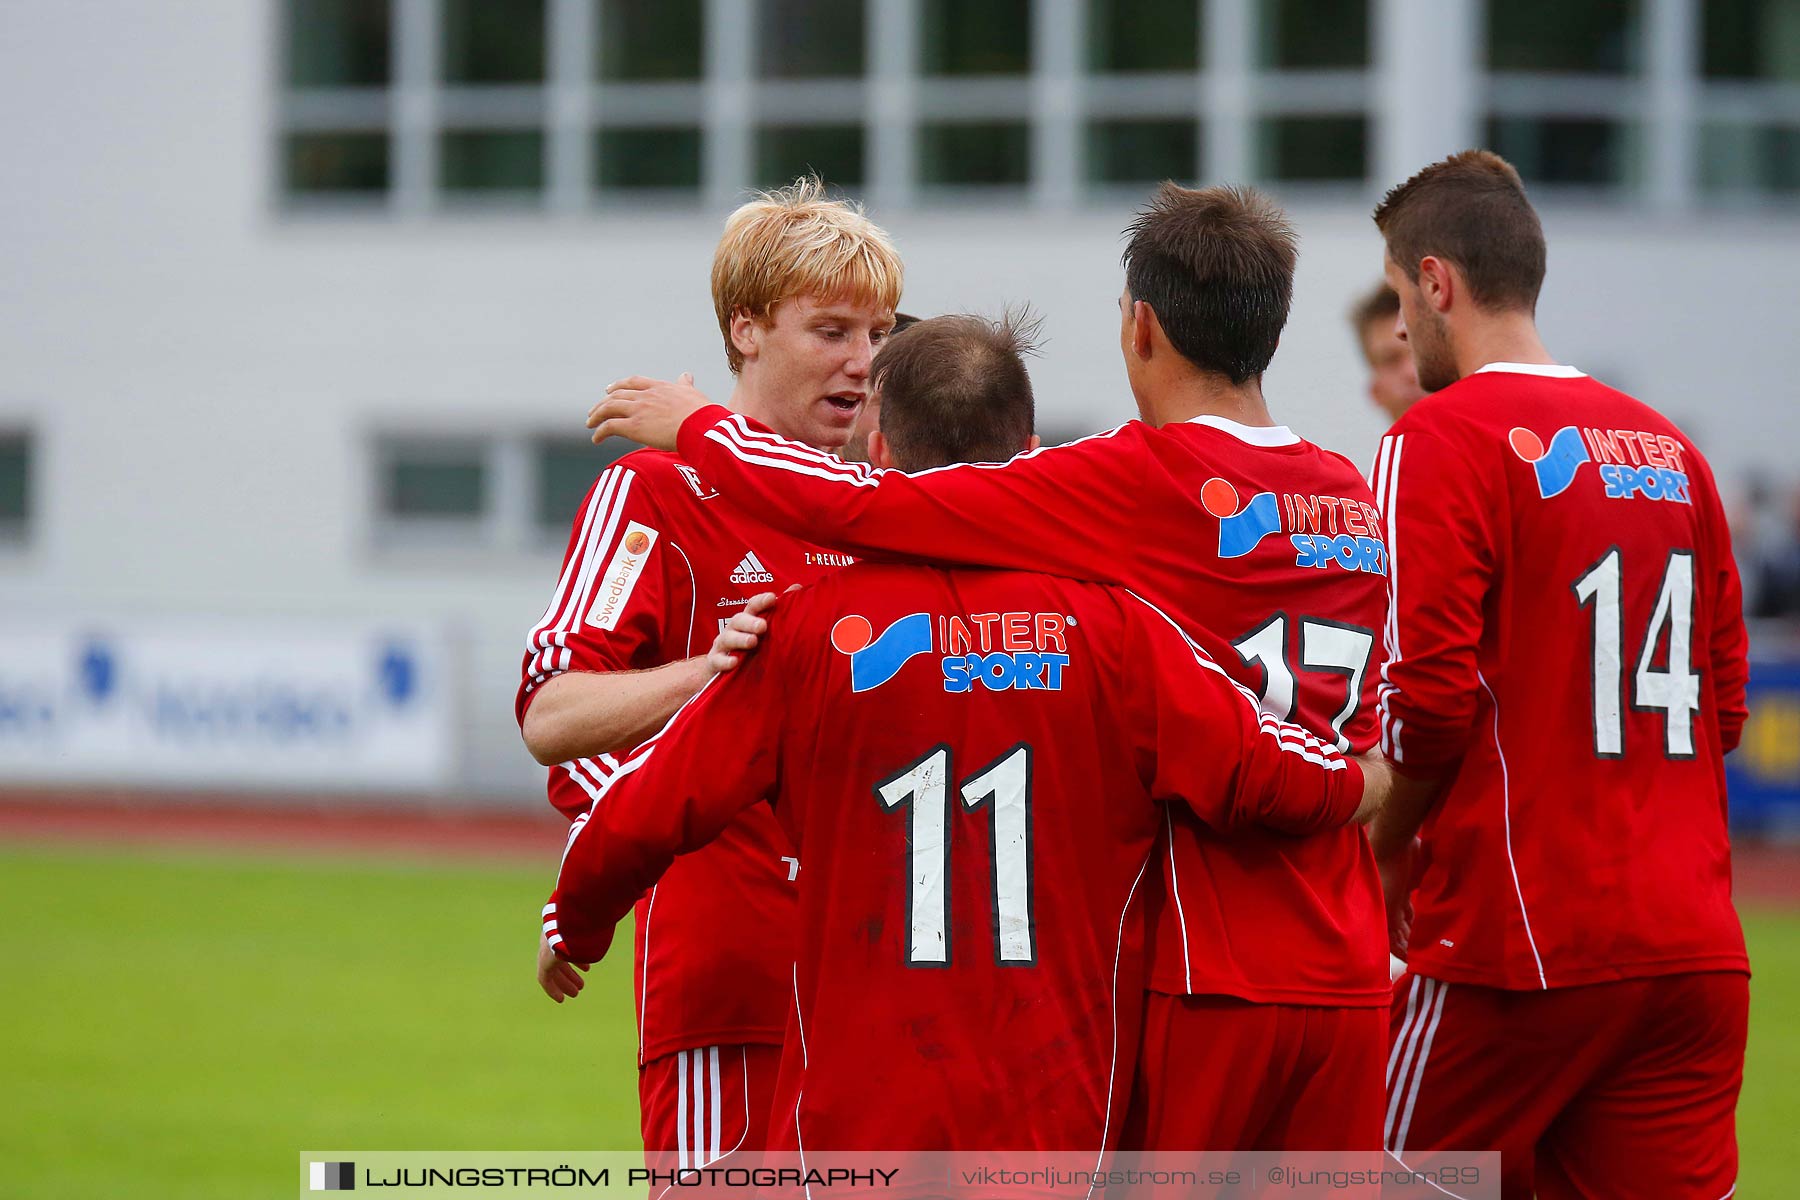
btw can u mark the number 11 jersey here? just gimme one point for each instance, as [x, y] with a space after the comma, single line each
[971, 766]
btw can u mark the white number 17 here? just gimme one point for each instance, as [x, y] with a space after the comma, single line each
[1324, 646]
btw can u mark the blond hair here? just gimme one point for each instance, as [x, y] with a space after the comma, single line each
[793, 241]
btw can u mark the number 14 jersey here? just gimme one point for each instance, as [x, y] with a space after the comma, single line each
[1568, 652]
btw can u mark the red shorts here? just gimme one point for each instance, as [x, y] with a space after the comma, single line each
[1617, 1089]
[1219, 1073]
[697, 1106]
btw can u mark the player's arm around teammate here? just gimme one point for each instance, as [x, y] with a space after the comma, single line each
[593, 713]
[721, 755]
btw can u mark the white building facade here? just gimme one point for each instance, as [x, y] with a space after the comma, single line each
[304, 300]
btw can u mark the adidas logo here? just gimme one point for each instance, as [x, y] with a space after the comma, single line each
[751, 570]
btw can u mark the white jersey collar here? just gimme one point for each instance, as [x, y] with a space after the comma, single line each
[1255, 435]
[1546, 370]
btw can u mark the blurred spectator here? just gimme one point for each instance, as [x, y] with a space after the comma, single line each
[1774, 589]
[1393, 380]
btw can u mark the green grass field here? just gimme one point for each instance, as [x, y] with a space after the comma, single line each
[184, 1025]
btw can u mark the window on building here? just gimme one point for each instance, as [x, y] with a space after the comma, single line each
[339, 43]
[433, 481]
[975, 153]
[511, 491]
[15, 487]
[1751, 39]
[325, 164]
[1313, 149]
[1314, 34]
[493, 41]
[1738, 159]
[832, 152]
[629, 120]
[642, 42]
[643, 160]
[976, 37]
[1562, 77]
[810, 39]
[564, 468]
[1567, 150]
[1592, 37]
[1143, 151]
[1143, 35]
[491, 160]
[1749, 138]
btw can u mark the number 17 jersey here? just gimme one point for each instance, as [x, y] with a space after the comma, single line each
[1265, 548]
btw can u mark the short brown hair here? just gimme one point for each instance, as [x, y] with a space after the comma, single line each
[1216, 266]
[795, 241]
[954, 389]
[1471, 210]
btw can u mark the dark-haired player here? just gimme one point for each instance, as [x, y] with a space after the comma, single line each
[1270, 975]
[970, 765]
[1568, 669]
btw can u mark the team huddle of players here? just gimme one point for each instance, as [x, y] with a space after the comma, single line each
[1048, 813]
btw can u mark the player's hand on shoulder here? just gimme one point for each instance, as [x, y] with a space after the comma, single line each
[741, 635]
[1378, 785]
[648, 411]
[560, 980]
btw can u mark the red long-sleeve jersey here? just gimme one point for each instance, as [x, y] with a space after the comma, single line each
[656, 561]
[1268, 552]
[969, 765]
[1567, 649]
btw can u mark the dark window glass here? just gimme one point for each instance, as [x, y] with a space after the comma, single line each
[648, 158]
[435, 482]
[476, 160]
[1750, 158]
[1142, 151]
[1143, 35]
[832, 152]
[1751, 39]
[806, 39]
[1595, 36]
[566, 468]
[335, 163]
[996, 152]
[15, 479]
[493, 41]
[1313, 149]
[338, 43]
[1306, 34]
[1572, 150]
[977, 37]
[650, 39]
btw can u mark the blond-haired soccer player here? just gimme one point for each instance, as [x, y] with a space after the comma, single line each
[805, 289]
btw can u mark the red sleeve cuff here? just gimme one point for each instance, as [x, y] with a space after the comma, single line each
[1353, 792]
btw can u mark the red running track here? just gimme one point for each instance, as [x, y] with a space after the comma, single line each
[418, 829]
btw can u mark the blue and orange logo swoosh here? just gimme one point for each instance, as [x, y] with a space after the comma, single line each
[876, 660]
[1555, 467]
[1240, 532]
